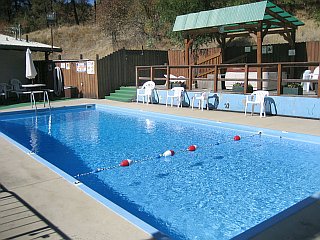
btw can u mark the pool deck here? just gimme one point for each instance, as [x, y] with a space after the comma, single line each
[37, 203]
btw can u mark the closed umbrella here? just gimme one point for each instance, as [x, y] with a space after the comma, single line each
[31, 71]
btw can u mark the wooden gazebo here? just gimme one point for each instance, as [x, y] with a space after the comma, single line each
[254, 19]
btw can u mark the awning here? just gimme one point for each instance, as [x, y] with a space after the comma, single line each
[238, 19]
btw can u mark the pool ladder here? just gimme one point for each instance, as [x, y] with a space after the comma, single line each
[45, 98]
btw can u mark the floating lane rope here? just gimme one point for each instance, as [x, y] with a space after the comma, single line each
[126, 163]
[96, 171]
[168, 153]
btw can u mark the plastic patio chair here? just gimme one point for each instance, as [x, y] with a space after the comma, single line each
[315, 74]
[256, 98]
[307, 75]
[2, 92]
[175, 93]
[202, 98]
[16, 87]
[146, 91]
[4, 89]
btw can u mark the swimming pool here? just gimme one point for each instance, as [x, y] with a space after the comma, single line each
[222, 189]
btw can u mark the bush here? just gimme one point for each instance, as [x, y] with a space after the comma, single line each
[294, 85]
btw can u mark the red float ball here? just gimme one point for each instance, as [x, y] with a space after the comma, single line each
[192, 148]
[236, 138]
[125, 163]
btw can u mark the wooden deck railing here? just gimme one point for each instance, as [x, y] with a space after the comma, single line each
[292, 69]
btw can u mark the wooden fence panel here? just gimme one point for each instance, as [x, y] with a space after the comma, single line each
[102, 84]
[313, 52]
[118, 68]
[309, 51]
[176, 58]
[86, 84]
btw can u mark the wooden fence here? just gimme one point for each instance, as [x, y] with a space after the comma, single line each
[118, 68]
[98, 78]
[82, 75]
[304, 52]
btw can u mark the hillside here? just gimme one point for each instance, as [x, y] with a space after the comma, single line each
[90, 40]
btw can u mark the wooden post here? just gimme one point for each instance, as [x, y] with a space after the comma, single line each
[222, 53]
[259, 56]
[168, 77]
[279, 80]
[319, 82]
[187, 44]
[190, 78]
[246, 74]
[215, 80]
[292, 43]
[151, 73]
[186, 52]
[137, 77]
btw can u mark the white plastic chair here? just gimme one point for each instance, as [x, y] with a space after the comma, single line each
[3, 92]
[307, 75]
[256, 98]
[175, 93]
[4, 89]
[315, 74]
[146, 91]
[16, 87]
[202, 98]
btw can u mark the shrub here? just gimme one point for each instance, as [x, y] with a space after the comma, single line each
[294, 85]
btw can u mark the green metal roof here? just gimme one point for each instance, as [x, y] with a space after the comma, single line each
[246, 14]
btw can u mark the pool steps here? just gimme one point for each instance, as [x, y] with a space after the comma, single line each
[124, 94]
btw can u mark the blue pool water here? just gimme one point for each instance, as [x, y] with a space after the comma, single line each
[217, 192]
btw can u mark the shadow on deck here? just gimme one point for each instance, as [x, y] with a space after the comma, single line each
[19, 220]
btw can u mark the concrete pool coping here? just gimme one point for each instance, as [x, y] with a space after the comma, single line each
[78, 216]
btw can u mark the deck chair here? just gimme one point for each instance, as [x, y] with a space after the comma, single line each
[4, 89]
[146, 91]
[201, 98]
[2, 92]
[307, 75]
[315, 74]
[175, 93]
[17, 89]
[256, 98]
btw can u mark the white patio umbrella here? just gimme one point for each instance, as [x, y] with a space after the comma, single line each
[31, 71]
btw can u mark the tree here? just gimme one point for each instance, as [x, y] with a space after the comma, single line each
[6, 11]
[73, 3]
[112, 16]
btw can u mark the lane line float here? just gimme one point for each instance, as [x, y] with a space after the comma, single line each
[167, 153]
[126, 163]
[192, 148]
[236, 138]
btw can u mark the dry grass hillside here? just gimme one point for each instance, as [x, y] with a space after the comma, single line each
[90, 40]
